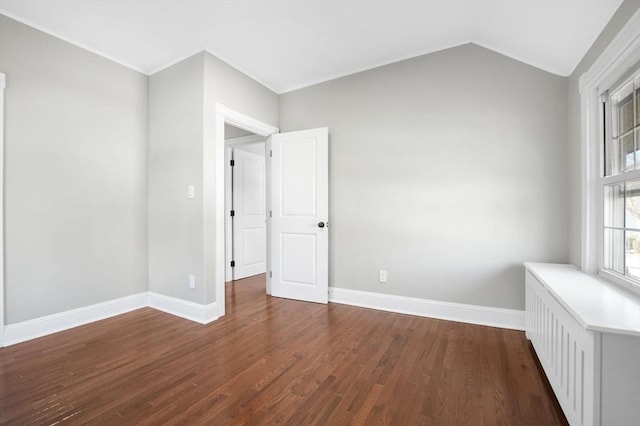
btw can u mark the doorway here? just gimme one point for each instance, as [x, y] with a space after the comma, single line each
[245, 199]
[297, 205]
[225, 118]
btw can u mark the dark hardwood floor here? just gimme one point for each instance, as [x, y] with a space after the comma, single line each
[276, 361]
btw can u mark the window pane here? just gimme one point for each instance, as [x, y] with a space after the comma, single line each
[636, 85]
[626, 115]
[632, 253]
[628, 153]
[613, 166]
[632, 204]
[638, 104]
[637, 142]
[614, 250]
[622, 102]
[614, 205]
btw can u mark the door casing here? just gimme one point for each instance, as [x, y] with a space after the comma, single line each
[244, 122]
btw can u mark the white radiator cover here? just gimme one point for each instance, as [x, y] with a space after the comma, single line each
[566, 352]
[593, 367]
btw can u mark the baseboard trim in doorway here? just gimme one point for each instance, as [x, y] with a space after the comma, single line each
[203, 314]
[38, 327]
[472, 314]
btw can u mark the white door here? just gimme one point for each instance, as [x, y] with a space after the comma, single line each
[299, 214]
[249, 236]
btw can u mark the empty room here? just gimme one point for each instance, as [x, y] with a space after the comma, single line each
[320, 212]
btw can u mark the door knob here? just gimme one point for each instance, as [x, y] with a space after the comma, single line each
[321, 225]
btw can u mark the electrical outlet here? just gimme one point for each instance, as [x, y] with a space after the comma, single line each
[382, 276]
[191, 191]
[192, 281]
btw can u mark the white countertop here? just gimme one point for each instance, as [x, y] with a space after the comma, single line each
[595, 303]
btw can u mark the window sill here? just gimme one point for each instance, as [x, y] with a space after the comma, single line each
[620, 281]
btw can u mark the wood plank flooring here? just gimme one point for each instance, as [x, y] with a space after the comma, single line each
[275, 361]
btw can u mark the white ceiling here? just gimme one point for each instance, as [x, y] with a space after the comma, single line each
[291, 44]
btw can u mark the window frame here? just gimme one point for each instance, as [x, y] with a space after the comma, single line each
[623, 176]
[611, 66]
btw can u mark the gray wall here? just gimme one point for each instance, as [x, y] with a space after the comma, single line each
[75, 183]
[176, 104]
[448, 170]
[231, 132]
[619, 19]
[181, 153]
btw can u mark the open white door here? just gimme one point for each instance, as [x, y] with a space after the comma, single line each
[299, 214]
[249, 236]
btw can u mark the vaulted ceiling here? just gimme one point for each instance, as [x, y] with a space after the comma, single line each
[291, 44]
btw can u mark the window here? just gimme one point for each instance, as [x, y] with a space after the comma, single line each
[610, 160]
[620, 183]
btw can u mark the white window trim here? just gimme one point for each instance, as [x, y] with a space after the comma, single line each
[621, 54]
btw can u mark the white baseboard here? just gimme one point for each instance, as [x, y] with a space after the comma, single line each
[38, 327]
[204, 314]
[481, 315]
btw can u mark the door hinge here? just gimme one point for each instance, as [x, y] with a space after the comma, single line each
[233, 213]
[232, 162]
[270, 153]
[270, 274]
[233, 263]
[270, 213]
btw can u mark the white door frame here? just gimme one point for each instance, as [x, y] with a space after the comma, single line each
[228, 201]
[230, 144]
[2, 287]
[229, 116]
[246, 161]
